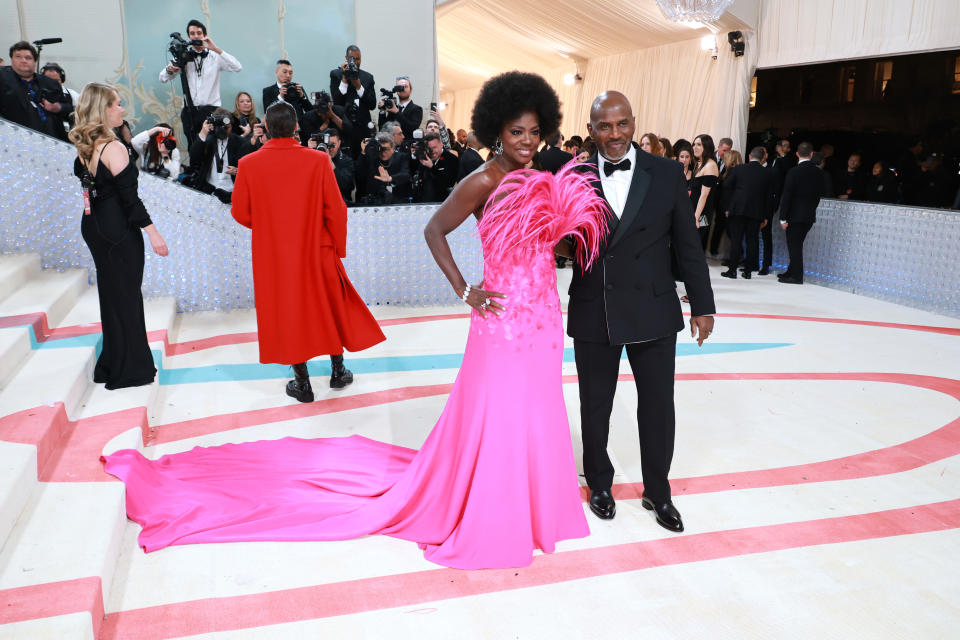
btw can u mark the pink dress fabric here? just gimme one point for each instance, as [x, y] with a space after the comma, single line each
[493, 481]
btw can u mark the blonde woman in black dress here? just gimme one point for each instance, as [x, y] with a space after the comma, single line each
[111, 226]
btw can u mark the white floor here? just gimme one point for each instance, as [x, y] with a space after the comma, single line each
[794, 530]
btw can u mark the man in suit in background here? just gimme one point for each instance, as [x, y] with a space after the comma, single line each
[282, 91]
[802, 191]
[552, 157]
[628, 299]
[471, 158]
[353, 89]
[750, 189]
[404, 111]
[25, 96]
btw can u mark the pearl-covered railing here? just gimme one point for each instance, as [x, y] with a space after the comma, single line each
[209, 263]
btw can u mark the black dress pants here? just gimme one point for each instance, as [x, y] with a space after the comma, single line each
[738, 227]
[767, 234]
[192, 121]
[796, 234]
[652, 363]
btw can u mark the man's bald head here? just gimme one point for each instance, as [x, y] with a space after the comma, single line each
[612, 124]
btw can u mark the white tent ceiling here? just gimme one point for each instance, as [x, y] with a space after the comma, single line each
[480, 38]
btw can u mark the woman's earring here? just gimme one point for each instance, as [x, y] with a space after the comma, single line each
[498, 148]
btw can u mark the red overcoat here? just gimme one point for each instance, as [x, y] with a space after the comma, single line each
[306, 306]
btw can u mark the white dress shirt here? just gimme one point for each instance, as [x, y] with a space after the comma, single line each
[617, 185]
[205, 86]
[220, 179]
[344, 87]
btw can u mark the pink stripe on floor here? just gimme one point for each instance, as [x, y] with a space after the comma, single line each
[54, 599]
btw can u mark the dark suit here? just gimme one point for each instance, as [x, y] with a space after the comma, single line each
[748, 200]
[409, 118]
[470, 159]
[553, 159]
[299, 103]
[358, 114]
[399, 169]
[202, 154]
[628, 298]
[436, 182]
[802, 190]
[313, 123]
[16, 105]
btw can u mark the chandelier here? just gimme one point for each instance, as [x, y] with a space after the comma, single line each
[693, 10]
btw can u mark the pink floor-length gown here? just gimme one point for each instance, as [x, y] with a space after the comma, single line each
[493, 481]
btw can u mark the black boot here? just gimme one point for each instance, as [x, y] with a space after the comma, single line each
[340, 376]
[299, 387]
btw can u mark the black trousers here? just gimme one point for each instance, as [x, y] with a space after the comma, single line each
[796, 234]
[738, 227]
[767, 234]
[720, 226]
[192, 120]
[652, 363]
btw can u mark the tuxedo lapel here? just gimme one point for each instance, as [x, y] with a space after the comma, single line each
[635, 197]
[594, 168]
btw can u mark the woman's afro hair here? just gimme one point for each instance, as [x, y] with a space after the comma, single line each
[506, 96]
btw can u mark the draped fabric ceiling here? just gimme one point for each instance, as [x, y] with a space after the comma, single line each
[626, 45]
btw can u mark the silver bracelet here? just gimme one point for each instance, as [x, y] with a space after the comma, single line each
[466, 292]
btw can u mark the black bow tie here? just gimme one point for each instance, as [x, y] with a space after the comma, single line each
[609, 167]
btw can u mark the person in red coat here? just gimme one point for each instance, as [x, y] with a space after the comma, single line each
[306, 307]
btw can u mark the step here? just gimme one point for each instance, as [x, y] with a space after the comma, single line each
[50, 376]
[15, 269]
[18, 478]
[14, 350]
[69, 531]
[75, 626]
[50, 292]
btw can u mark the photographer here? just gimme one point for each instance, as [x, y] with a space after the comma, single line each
[204, 62]
[343, 166]
[387, 171]
[214, 156]
[470, 159]
[436, 170]
[325, 115]
[31, 100]
[353, 89]
[287, 90]
[68, 97]
[158, 151]
[400, 108]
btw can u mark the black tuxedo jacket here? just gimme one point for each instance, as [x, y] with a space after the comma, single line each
[15, 104]
[629, 293]
[409, 118]
[470, 159]
[202, 156]
[312, 123]
[749, 191]
[300, 104]
[553, 159]
[367, 102]
[802, 190]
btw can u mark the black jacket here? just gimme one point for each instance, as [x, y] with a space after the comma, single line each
[553, 159]
[399, 170]
[343, 168]
[299, 103]
[805, 185]
[202, 157]
[360, 116]
[409, 118]
[470, 159]
[312, 123]
[749, 191]
[629, 294]
[436, 182]
[15, 104]
[853, 185]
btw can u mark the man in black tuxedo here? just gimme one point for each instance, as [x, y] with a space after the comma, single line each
[750, 190]
[25, 96]
[215, 156]
[471, 158]
[404, 111]
[802, 191]
[279, 91]
[628, 298]
[552, 157]
[353, 89]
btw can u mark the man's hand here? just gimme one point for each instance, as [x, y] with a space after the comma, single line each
[209, 44]
[394, 109]
[172, 69]
[230, 171]
[52, 107]
[427, 162]
[312, 142]
[435, 115]
[702, 325]
[384, 175]
[206, 129]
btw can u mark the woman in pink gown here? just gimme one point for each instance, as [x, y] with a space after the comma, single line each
[495, 478]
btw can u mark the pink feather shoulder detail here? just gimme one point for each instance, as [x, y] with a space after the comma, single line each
[535, 209]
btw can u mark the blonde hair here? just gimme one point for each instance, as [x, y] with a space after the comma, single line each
[91, 119]
[731, 159]
[252, 118]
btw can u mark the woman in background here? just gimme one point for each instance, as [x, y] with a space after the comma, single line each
[667, 148]
[244, 115]
[158, 151]
[706, 175]
[650, 143]
[112, 219]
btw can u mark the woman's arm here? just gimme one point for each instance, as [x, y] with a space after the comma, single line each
[466, 198]
[710, 169]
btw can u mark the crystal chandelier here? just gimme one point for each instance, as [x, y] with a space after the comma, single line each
[694, 10]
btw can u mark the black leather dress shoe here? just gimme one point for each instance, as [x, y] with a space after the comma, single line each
[745, 274]
[667, 515]
[300, 389]
[729, 273]
[790, 280]
[602, 505]
[763, 272]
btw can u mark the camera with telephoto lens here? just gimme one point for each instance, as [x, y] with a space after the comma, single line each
[169, 142]
[352, 72]
[182, 50]
[158, 170]
[292, 92]
[322, 138]
[50, 95]
[418, 150]
[321, 101]
[220, 124]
